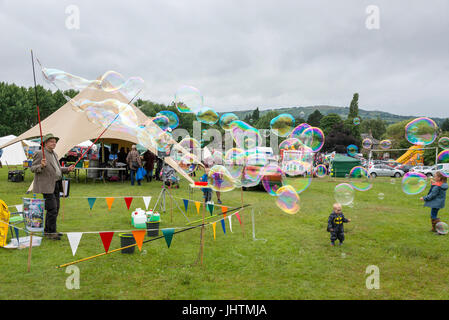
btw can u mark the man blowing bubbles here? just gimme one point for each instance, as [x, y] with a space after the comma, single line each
[48, 181]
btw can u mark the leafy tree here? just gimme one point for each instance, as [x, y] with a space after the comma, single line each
[256, 115]
[315, 118]
[299, 121]
[376, 126]
[329, 121]
[445, 125]
[338, 139]
[354, 107]
[264, 121]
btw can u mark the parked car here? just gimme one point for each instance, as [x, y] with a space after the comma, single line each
[382, 170]
[404, 167]
[420, 169]
[438, 167]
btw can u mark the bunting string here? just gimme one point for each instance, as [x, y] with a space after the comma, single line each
[122, 248]
[130, 230]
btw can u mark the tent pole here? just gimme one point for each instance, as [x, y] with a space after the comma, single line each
[241, 217]
[29, 253]
[436, 155]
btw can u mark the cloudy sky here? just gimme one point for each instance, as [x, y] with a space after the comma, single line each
[243, 54]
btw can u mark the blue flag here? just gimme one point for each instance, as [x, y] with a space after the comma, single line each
[91, 202]
[223, 225]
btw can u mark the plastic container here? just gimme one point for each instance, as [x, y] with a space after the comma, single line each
[155, 217]
[137, 213]
[153, 228]
[127, 239]
[140, 221]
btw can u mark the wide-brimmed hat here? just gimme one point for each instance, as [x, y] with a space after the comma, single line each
[49, 136]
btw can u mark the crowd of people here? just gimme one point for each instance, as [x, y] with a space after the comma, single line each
[132, 160]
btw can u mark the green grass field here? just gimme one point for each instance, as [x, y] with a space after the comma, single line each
[296, 261]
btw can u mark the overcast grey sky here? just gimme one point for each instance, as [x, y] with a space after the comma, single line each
[244, 54]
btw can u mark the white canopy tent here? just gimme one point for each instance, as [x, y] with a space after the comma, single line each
[13, 154]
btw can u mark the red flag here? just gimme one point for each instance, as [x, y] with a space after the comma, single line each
[238, 217]
[128, 201]
[106, 238]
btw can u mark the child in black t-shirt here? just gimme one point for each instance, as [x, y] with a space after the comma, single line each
[335, 224]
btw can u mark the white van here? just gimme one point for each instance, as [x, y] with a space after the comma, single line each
[438, 167]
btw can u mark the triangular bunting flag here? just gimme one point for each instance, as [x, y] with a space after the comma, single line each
[128, 201]
[230, 223]
[210, 206]
[147, 201]
[224, 210]
[139, 235]
[168, 234]
[74, 240]
[214, 225]
[106, 238]
[91, 202]
[223, 225]
[186, 203]
[238, 217]
[198, 206]
[109, 201]
[19, 207]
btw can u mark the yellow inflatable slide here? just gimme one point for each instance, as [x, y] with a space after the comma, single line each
[414, 156]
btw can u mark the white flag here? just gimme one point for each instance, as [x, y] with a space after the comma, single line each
[74, 240]
[19, 207]
[230, 223]
[147, 201]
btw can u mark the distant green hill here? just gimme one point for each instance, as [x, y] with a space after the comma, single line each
[341, 111]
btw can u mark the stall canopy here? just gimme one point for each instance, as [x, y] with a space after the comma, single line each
[342, 165]
[73, 127]
[13, 154]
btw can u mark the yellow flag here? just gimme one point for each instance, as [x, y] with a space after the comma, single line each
[198, 206]
[213, 227]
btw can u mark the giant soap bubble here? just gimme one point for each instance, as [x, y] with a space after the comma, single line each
[421, 131]
[282, 125]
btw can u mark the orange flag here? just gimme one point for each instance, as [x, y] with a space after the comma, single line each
[213, 227]
[224, 210]
[139, 235]
[198, 206]
[109, 201]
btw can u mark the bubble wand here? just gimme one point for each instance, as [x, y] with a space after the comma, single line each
[37, 105]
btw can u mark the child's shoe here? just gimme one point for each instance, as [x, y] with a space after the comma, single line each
[332, 244]
[340, 244]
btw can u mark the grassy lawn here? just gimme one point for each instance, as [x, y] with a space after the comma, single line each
[296, 261]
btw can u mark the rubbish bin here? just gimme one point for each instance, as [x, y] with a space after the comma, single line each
[127, 239]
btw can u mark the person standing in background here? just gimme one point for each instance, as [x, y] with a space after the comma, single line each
[149, 158]
[134, 162]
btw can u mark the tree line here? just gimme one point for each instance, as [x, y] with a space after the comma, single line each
[18, 114]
